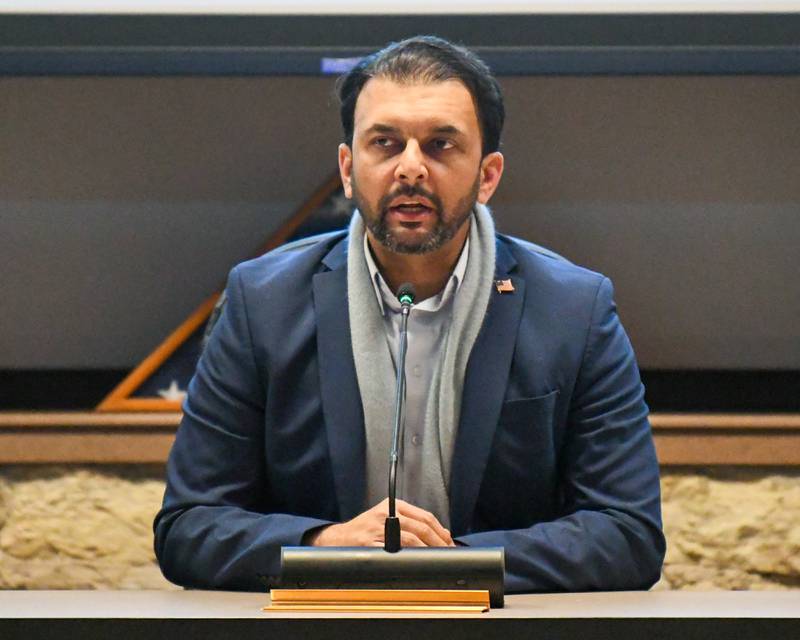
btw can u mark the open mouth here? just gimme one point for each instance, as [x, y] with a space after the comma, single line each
[410, 210]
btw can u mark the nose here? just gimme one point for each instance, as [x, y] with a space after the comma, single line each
[411, 166]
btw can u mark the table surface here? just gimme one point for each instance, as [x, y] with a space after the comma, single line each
[229, 605]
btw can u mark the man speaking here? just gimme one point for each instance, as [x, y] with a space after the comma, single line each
[525, 423]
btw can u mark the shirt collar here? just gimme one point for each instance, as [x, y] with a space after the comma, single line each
[434, 303]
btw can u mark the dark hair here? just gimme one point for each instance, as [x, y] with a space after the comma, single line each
[428, 59]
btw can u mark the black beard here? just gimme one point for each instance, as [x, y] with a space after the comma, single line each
[438, 236]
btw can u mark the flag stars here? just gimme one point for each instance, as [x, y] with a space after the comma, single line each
[173, 392]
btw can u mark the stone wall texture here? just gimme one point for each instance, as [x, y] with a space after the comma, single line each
[79, 528]
[731, 529]
[91, 528]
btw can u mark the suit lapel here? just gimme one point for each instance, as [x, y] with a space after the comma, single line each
[484, 388]
[341, 399]
[485, 385]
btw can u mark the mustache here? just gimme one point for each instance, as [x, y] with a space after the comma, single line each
[409, 191]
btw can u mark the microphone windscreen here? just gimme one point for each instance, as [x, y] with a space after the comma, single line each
[406, 293]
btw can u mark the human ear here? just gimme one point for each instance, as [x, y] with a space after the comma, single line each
[491, 171]
[346, 169]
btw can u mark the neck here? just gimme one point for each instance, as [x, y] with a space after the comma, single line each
[428, 272]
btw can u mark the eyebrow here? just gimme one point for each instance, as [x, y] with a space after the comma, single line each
[385, 128]
[448, 128]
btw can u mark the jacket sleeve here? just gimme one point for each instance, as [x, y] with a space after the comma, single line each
[608, 535]
[216, 528]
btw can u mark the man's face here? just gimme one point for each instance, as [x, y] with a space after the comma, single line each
[415, 168]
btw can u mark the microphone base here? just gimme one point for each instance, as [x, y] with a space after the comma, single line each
[479, 568]
[391, 534]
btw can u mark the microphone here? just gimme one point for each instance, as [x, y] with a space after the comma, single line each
[390, 567]
[391, 531]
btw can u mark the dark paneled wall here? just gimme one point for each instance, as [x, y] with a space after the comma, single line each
[124, 202]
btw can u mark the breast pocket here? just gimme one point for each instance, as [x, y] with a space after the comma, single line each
[519, 484]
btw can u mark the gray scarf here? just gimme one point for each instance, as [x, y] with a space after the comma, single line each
[376, 376]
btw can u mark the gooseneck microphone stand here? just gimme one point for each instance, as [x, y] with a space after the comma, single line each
[391, 532]
[390, 566]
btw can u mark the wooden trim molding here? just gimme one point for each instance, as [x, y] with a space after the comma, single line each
[86, 437]
[665, 421]
[146, 437]
[727, 439]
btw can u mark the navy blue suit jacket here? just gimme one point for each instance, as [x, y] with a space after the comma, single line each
[553, 457]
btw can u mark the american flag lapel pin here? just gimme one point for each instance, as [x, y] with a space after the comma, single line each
[504, 286]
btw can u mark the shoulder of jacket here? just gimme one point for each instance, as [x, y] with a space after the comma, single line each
[536, 259]
[528, 246]
[296, 253]
[327, 239]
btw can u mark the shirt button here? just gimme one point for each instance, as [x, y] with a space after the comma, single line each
[415, 439]
[417, 371]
